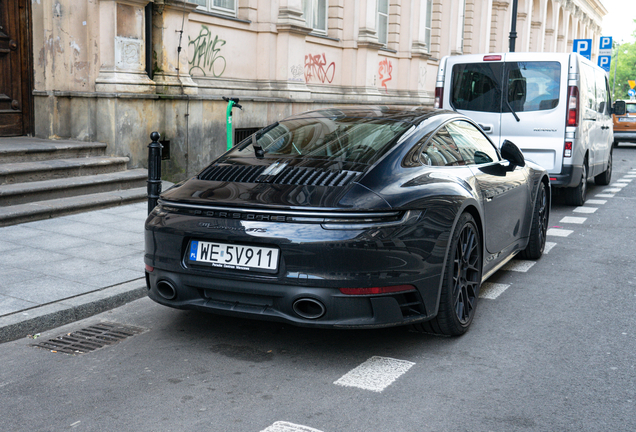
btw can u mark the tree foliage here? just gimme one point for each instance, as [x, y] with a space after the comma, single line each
[624, 55]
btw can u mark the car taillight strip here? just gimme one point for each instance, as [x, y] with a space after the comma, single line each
[278, 215]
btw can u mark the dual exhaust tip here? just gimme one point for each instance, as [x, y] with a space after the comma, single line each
[307, 308]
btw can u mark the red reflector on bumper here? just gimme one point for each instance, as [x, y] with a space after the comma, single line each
[149, 269]
[552, 178]
[377, 290]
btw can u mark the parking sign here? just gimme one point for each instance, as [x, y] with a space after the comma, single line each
[605, 46]
[604, 62]
[583, 47]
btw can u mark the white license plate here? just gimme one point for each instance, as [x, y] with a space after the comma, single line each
[627, 119]
[236, 257]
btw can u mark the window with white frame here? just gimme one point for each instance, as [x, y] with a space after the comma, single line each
[315, 12]
[383, 21]
[460, 26]
[428, 23]
[225, 7]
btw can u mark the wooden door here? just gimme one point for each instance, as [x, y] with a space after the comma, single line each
[15, 68]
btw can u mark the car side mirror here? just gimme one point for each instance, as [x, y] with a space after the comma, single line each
[619, 108]
[511, 153]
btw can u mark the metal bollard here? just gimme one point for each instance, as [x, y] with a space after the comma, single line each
[154, 170]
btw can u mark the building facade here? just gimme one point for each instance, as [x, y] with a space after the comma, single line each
[115, 70]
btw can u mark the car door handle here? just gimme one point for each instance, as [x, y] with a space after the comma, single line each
[486, 128]
[604, 127]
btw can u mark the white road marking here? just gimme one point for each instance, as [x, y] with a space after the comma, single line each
[605, 195]
[558, 232]
[519, 265]
[618, 184]
[596, 202]
[585, 209]
[625, 179]
[491, 291]
[574, 220]
[548, 247]
[630, 176]
[611, 190]
[281, 426]
[375, 374]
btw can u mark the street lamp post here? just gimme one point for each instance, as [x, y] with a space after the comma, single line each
[615, 67]
[513, 26]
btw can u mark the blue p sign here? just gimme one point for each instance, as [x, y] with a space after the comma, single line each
[583, 47]
[606, 43]
[604, 62]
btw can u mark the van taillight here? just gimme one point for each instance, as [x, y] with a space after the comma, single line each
[567, 152]
[573, 106]
[439, 95]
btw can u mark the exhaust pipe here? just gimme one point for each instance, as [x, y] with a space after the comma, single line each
[309, 308]
[166, 290]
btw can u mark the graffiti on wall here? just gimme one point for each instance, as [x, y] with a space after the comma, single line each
[316, 68]
[384, 71]
[297, 73]
[206, 55]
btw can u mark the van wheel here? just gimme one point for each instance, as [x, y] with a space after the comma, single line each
[576, 196]
[603, 179]
[615, 143]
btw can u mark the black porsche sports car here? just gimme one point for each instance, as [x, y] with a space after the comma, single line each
[349, 218]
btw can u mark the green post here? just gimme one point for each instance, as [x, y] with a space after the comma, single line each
[231, 103]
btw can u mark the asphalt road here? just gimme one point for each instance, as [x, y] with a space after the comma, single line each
[551, 350]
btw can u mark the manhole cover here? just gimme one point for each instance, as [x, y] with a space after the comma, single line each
[90, 338]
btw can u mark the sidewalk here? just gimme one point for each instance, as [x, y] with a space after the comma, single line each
[60, 270]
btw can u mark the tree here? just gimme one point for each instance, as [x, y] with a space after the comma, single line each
[624, 58]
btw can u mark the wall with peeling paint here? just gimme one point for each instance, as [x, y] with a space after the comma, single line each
[91, 81]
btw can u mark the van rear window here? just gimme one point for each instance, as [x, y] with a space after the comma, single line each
[532, 86]
[527, 86]
[477, 87]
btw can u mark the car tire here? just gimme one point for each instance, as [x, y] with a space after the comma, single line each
[615, 143]
[604, 178]
[576, 196]
[539, 227]
[461, 283]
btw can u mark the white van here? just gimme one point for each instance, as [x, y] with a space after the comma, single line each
[554, 106]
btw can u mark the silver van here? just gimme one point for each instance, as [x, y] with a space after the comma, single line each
[554, 106]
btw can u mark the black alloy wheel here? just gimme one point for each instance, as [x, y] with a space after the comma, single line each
[462, 280]
[467, 274]
[539, 227]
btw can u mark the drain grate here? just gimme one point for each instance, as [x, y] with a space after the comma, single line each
[90, 338]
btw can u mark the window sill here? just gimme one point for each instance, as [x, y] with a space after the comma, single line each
[222, 16]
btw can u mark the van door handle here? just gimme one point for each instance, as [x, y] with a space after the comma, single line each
[486, 128]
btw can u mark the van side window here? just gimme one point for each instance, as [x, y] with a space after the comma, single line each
[532, 86]
[602, 98]
[476, 87]
[589, 83]
[474, 147]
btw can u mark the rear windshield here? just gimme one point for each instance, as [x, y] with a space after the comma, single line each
[497, 87]
[532, 86]
[630, 108]
[343, 139]
[477, 87]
